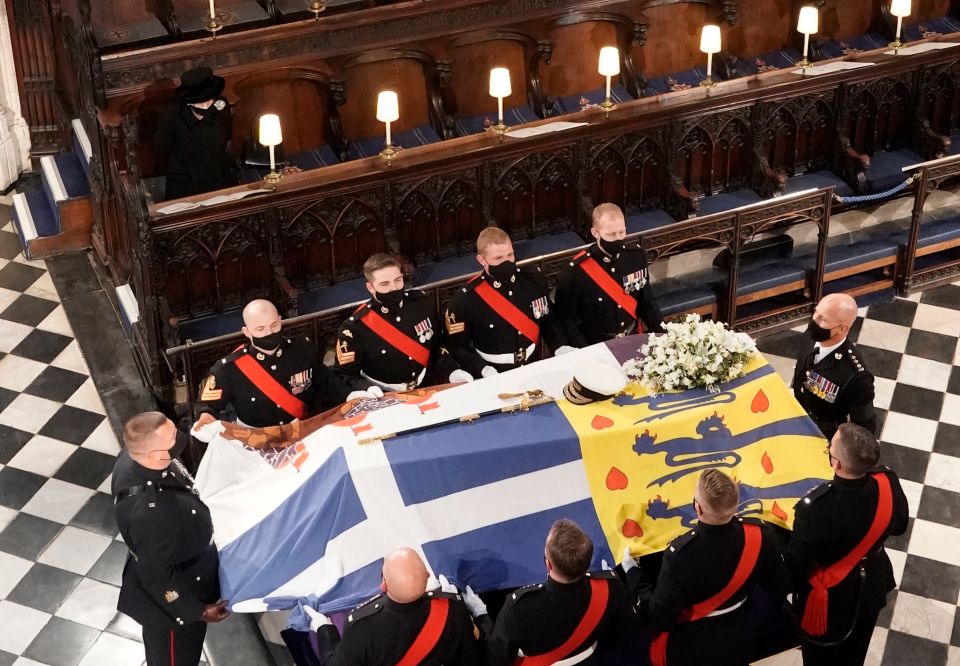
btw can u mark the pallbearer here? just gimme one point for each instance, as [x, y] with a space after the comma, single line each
[605, 291]
[394, 340]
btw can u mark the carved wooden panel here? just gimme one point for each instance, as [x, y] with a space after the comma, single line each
[939, 101]
[714, 230]
[439, 216]
[629, 170]
[714, 153]
[328, 241]
[536, 193]
[798, 134]
[877, 114]
[214, 267]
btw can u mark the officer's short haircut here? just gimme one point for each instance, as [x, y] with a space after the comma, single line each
[859, 449]
[377, 262]
[141, 427]
[491, 236]
[569, 549]
[604, 211]
[719, 491]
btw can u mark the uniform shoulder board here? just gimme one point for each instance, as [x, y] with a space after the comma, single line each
[366, 609]
[416, 293]
[752, 521]
[526, 589]
[682, 541]
[233, 356]
[602, 574]
[579, 257]
[440, 594]
[816, 493]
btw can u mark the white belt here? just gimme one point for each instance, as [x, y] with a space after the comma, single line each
[728, 608]
[575, 659]
[505, 359]
[393, 387]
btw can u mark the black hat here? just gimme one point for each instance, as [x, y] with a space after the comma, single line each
[199, 84]
[594, 382]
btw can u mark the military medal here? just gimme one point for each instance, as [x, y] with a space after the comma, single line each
[540, 307]
[424, 330]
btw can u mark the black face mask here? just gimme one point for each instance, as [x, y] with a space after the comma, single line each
[391, 298]
[268, 342]
[611, 247]
[503, 271]
[206, 113]
[180, 445]
[817, 332]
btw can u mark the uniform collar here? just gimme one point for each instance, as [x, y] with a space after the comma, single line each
[146, 472]
[601, 256]
[851, 483]
[398, 607]
[704, 528]
[565, 588]
[826, 351]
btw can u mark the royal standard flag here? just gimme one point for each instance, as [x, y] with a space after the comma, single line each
[304, 514]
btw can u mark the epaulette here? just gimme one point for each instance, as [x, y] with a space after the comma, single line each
[816, 493]
[440, 594]
[751, 521]
[357, 314]
[682, 541]
[233, 356]
[602, 574]
[579, 257]
[855, 360]
[472, 283]
[526, 589]
[366, 609]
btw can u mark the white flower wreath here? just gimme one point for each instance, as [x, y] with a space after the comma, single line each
[691, 354]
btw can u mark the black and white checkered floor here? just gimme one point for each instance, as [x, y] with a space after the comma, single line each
[60, 560]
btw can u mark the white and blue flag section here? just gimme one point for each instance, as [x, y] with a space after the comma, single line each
[475, 499]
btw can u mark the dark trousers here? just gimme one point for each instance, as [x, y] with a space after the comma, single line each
[851, 652]
[174, 647]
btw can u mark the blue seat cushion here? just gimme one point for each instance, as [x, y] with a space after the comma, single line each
[939, 230]
[886, 168]
[73, 174]
[450, 267]
[418, 136]
[547, 244]
[768, 62]
[768, 276]
[334, 295]
[575, 103]
[648, 220]
[310, 159]
[816, 180]
[944, 25]
[673, 82]
[841, 257]
[519, 115]
[683, 294]
[205, 328]
[724, 201]
[954, 144]
[852, 45]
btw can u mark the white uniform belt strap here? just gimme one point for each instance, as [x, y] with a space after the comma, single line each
[505, 359]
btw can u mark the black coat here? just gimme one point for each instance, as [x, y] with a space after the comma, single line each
[540, 618]
[588, 314]
[295, 366]
[696, 566]
[360, 349]
[836, 389]
[197, 151]
[830, 521]
[173, 568]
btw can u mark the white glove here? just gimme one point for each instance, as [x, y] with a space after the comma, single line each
[563, 349]
[374, 392]
[489, 371]
[447, 586]
[628, 561]
[207, 431]
[357, 394]
[473, 602]
[317, 619]
[460, 377]
[604, 566]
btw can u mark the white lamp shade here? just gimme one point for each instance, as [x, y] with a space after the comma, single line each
[500, 82]
[900, 8]
[388, 107]
[809, 21]
[710, 39]
[270, 134]
[609, 61]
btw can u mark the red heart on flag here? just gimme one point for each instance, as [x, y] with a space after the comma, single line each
[760, 402]
[631, 529]
[600, 422]
[351, 421]
[777, 511]
[427, 406]
[616, 480]
[767, 463]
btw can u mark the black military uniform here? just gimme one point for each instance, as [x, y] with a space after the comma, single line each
[381, 631]
[696, 566]
[172, 569]
[197, 150]
[366, 353]
[837, 387]
[295, 367]
[830, 521]
[539, 618]
[478, 335]
[588, 313]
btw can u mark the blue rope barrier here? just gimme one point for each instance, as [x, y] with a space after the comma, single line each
[866, 198]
